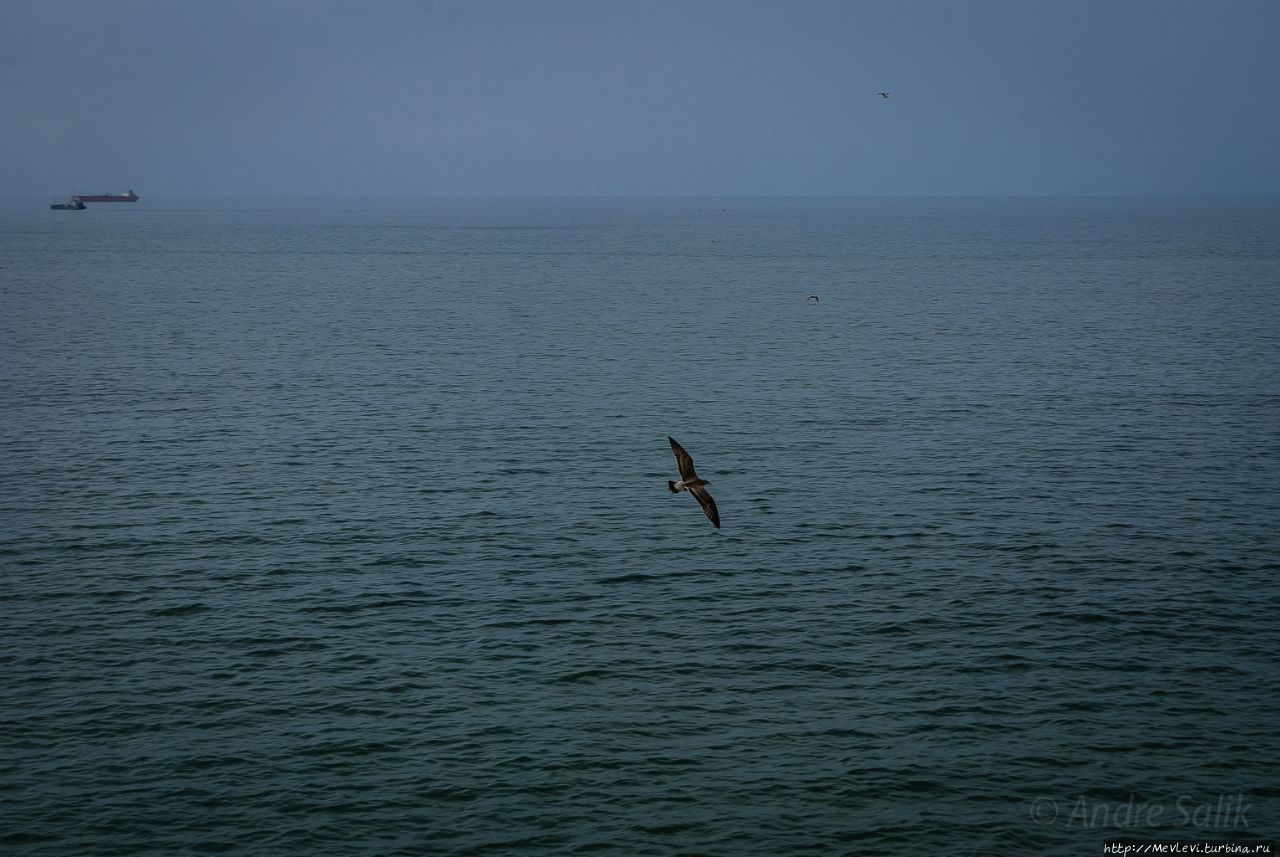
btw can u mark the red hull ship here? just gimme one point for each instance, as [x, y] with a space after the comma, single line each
[106, 197]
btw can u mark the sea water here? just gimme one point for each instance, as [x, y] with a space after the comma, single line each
[341, 526]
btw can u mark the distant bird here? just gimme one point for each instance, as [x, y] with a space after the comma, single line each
[813, 298]
[884, 95]
[689, 480]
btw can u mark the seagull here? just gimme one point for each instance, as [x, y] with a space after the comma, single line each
[814, 298]
[689, 480]
[884, 95]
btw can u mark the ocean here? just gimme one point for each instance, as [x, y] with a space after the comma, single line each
[339, 527]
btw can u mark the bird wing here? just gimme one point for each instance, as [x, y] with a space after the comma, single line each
[684, 460]
[708, 505]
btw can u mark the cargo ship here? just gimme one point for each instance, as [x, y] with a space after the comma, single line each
[105, 197]
[77, 201]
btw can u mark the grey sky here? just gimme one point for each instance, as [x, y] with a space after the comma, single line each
[620, 97]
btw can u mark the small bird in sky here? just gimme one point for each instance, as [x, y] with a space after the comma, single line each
[884, 95]
[689, 481]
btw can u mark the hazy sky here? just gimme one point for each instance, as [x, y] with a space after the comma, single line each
[640, 97]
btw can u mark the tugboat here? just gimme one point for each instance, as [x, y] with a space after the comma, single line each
[76, 204]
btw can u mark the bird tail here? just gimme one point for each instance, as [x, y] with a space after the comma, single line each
[671, 486]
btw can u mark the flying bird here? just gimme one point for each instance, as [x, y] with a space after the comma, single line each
[813, 298]
[689, 480]
[884, 95]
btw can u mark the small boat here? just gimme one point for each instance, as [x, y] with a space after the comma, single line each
[74, 205]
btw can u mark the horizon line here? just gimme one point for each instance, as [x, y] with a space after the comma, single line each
[770, 196]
